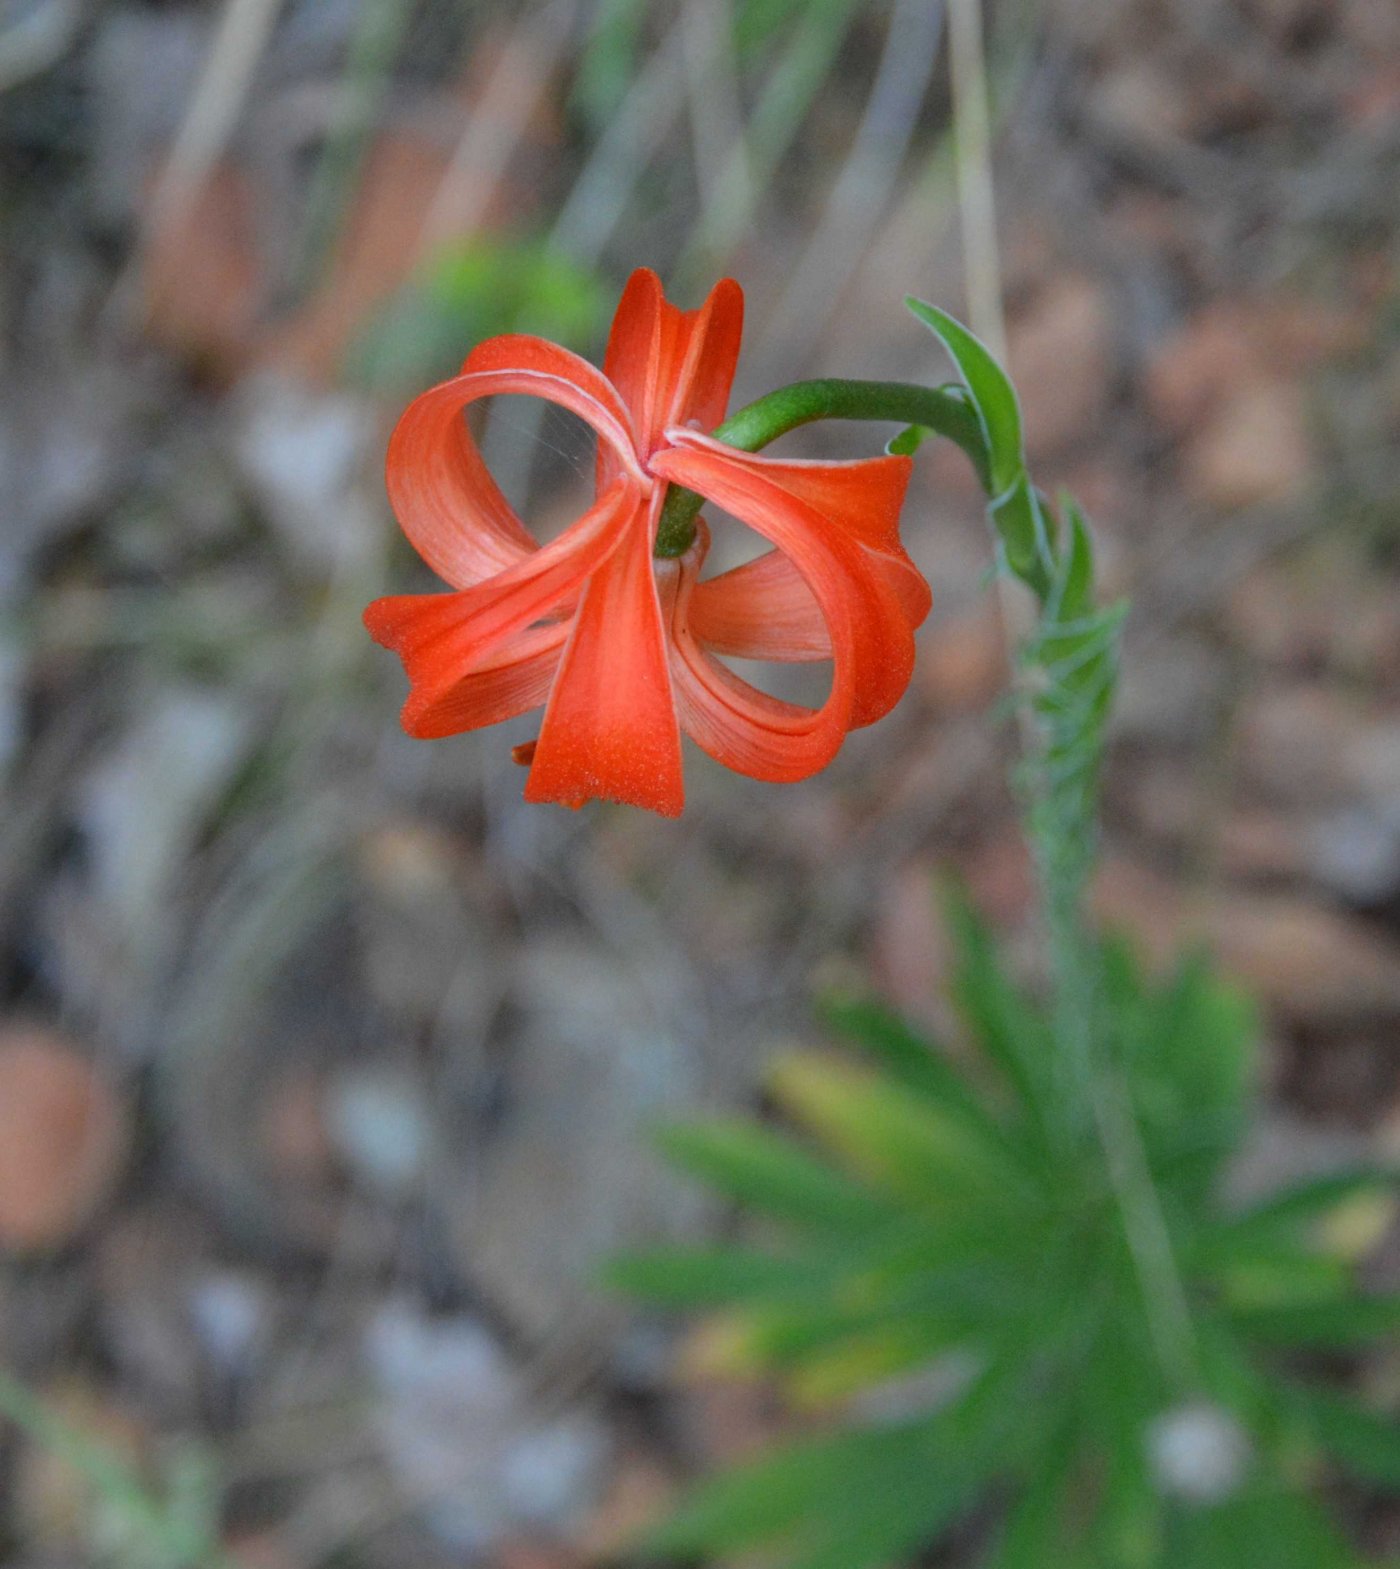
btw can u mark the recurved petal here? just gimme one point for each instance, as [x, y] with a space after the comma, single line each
[610, 729]
[701, 392]
[764, 609]
[515, 679]
[861, 499]
[525, 355]
[836, 522]
[442, 638]
[746, 729]
[448, 505]
[761, 610]
[672, 366]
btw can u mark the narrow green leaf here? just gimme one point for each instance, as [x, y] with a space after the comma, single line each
[861, 1498]
[1263, 1525]
[1037, 1529]
[771, 1174]
[992, 393]
[1013, 1036]
[710, 1277]
[1342, 1325]
[1025, 530]
[921, 1065]
[814, 1484]
[1363, 1441]
[1076, 581]
[1274, 1274]
[896, 1138]
[1306, 1202]
[908, 441]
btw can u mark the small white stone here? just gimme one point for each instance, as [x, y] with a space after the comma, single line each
[1198, 1452]
[382, 1129]
[1356, 852]
[227, 1310]
[464, 1438]
[551, 1473]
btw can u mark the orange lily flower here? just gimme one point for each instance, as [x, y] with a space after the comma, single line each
[620, 646]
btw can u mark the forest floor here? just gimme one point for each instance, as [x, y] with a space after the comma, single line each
[325, 1065]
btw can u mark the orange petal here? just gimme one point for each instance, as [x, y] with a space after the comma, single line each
[521, 354]
[672, 366]
[761, 610]
[738, 725]
[610, 729]
[838, 523]
[443, 637]
[515, 680]
[764, 609]
[445, 500]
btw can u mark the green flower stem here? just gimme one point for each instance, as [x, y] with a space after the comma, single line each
[944, 410]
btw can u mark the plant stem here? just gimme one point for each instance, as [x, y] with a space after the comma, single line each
[944, 410]
[972, 143]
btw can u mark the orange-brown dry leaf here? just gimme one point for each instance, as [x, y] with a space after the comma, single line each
[63, 1134]
[1000, 879]
[639, 1496]
[1313, 965]
[209, 295]
[292, 1130]
[374, 256]
[1237, 343]
[1257, 447]
[202, 277]
[263, 1550]
[529, 1553]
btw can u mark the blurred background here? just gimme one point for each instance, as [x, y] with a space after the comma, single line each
[325, 1064]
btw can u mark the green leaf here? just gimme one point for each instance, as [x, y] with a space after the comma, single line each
[918, 1064]
[1014, 1037]
[1263, 1525]
[1188, 1049]
[1277, 1275]
[915, 1148]
[1040, 1526]
[709, 1277]
[1075, 582]
[908, 441]
[771, 1174]
[993, 396]
[1339, 1325]
[1285, 1213]
[863, 1497]
[469, 292]
[1026, 531]
[1363, 1441]
[1207, 1030]
[813, 1487]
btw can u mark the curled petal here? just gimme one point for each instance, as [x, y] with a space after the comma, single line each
[761, 610]
[513, 680]
[519, 352]
[445, 500]
[442, 638]
[610, 729]
[838, 524]
[764, 609]
[672, 367]
[738, 725]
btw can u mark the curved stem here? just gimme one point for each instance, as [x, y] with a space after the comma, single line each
[944, 410]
